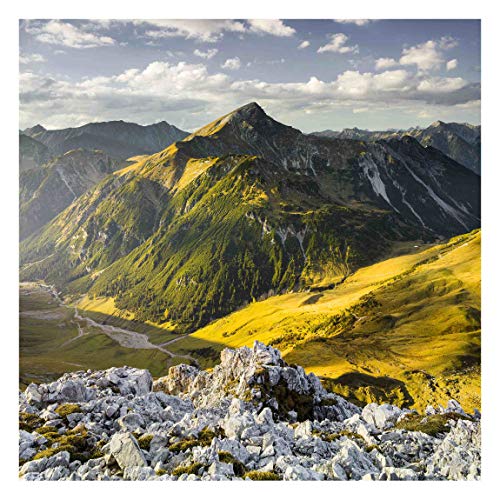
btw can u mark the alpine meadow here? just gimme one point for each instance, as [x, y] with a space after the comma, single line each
[250, 250]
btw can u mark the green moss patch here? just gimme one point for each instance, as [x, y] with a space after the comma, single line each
[204, 438]
[238, 467]
[67, 409]
[145, 441]
[187, 469]
[429, 424]
[255, 475]
[29, 421]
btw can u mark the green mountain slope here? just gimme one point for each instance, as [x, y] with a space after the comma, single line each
[404, 330]
[246, 207]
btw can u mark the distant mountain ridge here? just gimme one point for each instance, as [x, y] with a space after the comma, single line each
[32, 153]
[118, 139]
[245, 207]
[45, 191]
[460, 141]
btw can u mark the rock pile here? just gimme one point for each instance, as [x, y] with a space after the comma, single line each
[253, 417]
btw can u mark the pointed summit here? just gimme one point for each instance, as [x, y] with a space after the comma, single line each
[249, 115]
[35, 130]
[437, 123]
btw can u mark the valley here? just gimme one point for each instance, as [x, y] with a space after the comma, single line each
[358, 258]
[404, 330]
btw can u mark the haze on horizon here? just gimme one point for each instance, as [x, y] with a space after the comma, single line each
[312, 74]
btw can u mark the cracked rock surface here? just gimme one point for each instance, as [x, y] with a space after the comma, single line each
[253, 417]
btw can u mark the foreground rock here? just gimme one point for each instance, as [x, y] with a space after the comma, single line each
[253, 417]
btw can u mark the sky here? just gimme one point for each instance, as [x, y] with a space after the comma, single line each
[311, 74]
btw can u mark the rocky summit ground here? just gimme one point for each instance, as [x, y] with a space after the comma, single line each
[253, 417]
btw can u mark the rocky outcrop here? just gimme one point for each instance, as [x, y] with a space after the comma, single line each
[252, 417]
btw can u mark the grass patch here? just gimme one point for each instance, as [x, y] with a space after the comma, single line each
[145, 440]
[429, 424]
[256, 475]
[187, 469]
[67, 409]
[238, 467]
[29, 421]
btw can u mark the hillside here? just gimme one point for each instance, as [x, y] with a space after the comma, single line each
[460, 141]
[405, 330]
[32, 153]
[118, 139]
[243, 208]
[46, 191]
[253, 417]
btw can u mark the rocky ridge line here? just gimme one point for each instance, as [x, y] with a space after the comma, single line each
[252, 417]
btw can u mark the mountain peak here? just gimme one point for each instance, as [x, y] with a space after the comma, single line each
[35, 130]
[437, 123]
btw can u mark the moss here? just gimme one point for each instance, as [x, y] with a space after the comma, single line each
[430, 424]
[255, 475]
[187, 469]
[75, 441]
[29, 421]
[52, 451]
[204, 438]
[161, 472]
[337, 435]
[67, 409]
[145, 440]
[52, 436]
[46, 429]
[372, 447]
[238, 467]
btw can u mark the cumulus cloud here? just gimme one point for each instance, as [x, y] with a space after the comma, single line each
[274, 27]
[233, 63]
[425, 56]
[385, 62]
[56, 32]
[212, 30]
[192, 95]
[338, 44]
[451, 64]
[357, 22]
[208, 54]
[304, 44]
[31, 58]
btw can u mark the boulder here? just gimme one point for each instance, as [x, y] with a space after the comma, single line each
[126, 451]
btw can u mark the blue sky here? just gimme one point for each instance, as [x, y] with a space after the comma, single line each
[312, 74]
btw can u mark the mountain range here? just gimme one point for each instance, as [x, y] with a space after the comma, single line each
[244, 208]
[46, 191]
[460, 141]
[118, 139]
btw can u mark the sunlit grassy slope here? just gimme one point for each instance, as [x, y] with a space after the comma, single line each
[405, 330]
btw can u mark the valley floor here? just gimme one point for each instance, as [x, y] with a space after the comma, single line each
[405, 330]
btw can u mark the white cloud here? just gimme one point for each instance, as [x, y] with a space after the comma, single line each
[212, 30]
[425, 56]
[274, 27]
[207, 54]
[385, 62]
[189, 95]
[441, 85]
[56, 32]
[338, 44]
[447, 42]
[31, 58]
[357, 22]
[233, 63]
[205, 30]
[304, 44]
[451, 64]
